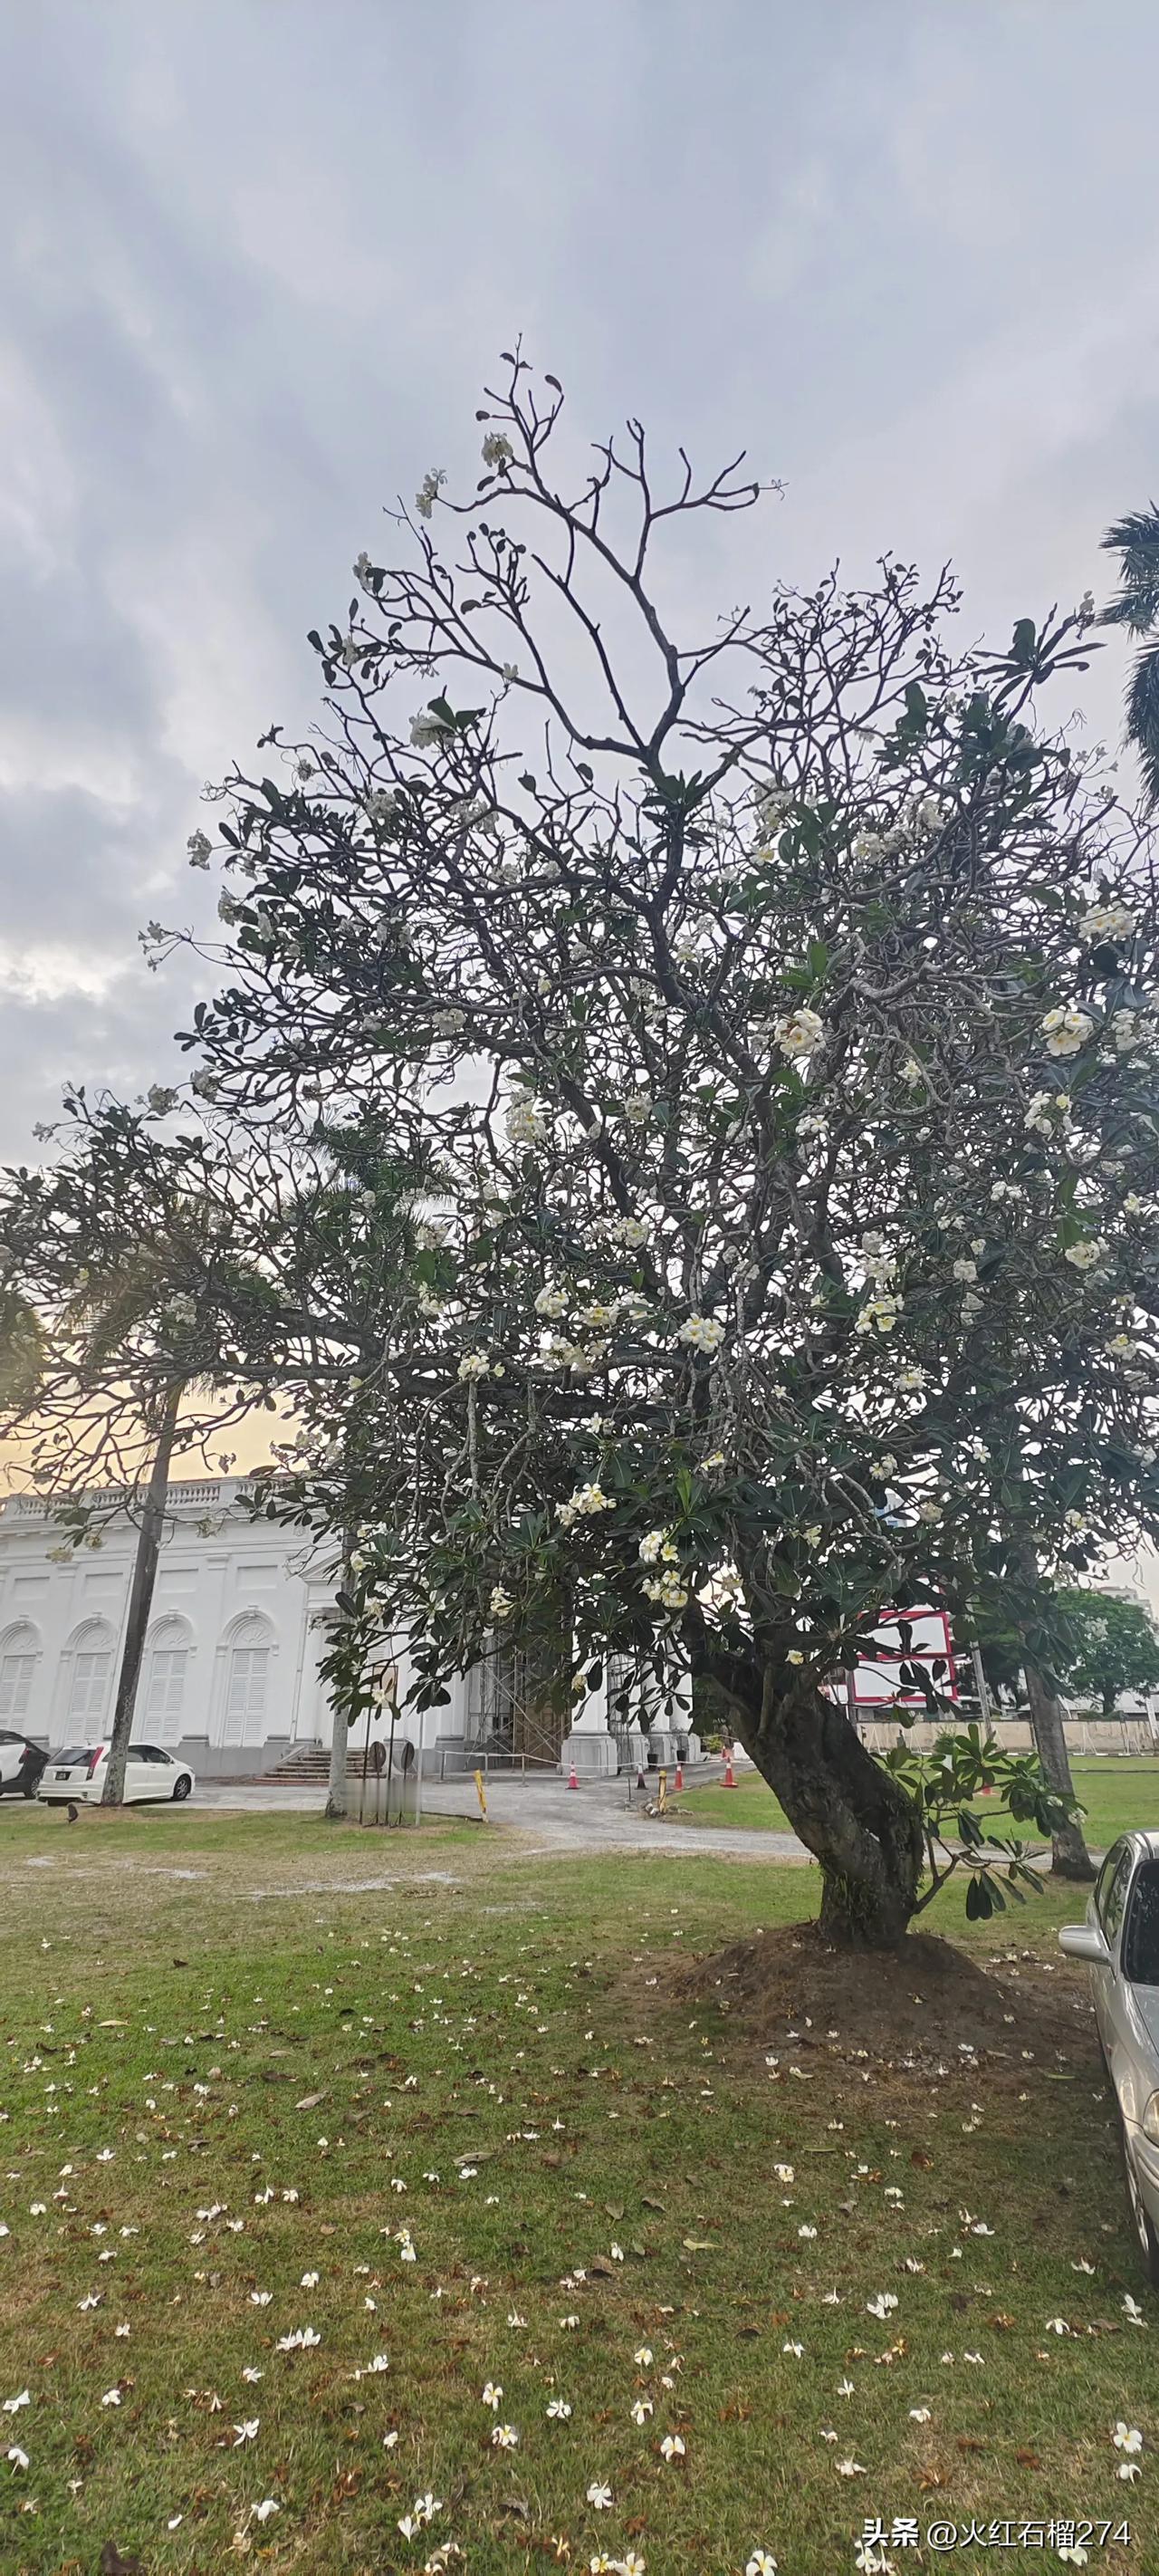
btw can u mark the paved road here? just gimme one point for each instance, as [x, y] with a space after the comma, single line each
[597, 1817]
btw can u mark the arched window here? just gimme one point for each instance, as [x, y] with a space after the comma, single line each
[247, 1683]
[90, 1651]
[166, 1672]
[19, 1648]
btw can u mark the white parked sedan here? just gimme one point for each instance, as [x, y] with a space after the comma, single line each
[1120, 1943]
[81, 1770]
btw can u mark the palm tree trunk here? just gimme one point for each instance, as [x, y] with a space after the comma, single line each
[337, 1793]
[140, 1603]
[1069, 1855]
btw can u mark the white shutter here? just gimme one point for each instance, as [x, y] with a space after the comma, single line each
[165, 1697]
[245, 1705]
[16, 1673]
[90, 1682]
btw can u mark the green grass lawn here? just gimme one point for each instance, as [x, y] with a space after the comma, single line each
[1114, 1791]
[294, 2167]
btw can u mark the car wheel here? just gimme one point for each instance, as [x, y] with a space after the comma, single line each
[28, 1789]
[182, 1787]
[1145, 2236]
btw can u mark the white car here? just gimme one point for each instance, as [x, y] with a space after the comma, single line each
[21, 1762]
[80, 1773]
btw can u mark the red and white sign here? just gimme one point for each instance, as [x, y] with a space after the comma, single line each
[877, 1681]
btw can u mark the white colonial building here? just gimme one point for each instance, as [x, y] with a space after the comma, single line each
[230, 1676]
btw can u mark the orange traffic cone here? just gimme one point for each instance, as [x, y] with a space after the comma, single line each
[729, 1781]
[573, 1783]
[679, 1780]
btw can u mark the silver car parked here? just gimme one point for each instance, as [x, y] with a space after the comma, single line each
[1120, 1943]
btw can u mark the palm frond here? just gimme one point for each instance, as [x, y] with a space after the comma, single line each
[1143, 719]
[22, 1352]
[1135, 539]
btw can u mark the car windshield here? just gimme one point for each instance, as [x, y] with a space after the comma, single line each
[1141, 1948]
[74, 1753]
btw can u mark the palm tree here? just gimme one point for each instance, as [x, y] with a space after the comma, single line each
[1135, 540]
[22, 1352]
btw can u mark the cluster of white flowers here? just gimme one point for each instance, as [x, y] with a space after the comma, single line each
[771, 804]
[799, 1031]
[1086, 1256]
[1045, 1108]
[1066, 1030]
[228, 907]
[474, 1365]
[1128, 1029]
[912, 1379]
[160, 1100]
[913, 1072]
[497, 448]
[701, 1333]
[579, 1357]
[667, 1590]
[551, 1301]
[428, 491]
[638, 1108]
[380, 806]
[448, 1022]
[361, 569]
[878, 1315]
[200, 850]
[965, 1269]
[630, 1231]
[658, 1547]
[426, 729]
[878, 1259]
[586, 1502]
[1108, 921]
[500, 1604]
[206, 1085]
[526, 1124]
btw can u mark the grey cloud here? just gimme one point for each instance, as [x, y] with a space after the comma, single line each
[256, 263]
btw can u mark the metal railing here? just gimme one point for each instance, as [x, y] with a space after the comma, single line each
[489, 1758]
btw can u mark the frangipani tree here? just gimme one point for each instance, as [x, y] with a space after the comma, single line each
[777, 1009]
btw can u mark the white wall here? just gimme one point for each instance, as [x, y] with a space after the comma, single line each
[230, 1672]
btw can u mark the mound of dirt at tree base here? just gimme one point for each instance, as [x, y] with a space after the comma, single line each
[925, 2004]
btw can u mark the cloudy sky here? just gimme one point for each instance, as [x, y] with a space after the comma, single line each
[258, 256]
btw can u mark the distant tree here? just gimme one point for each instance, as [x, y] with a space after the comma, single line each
[1114, 1649]
[1135, 540]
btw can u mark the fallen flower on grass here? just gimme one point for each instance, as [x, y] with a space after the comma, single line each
[919, 2414]
[762, 2563]
[1128, 2469]
[245, 2432]
[558, 2410]
[267, 2506]
[492, 2393]
[112, 2397]
[1127, 2437]
[672, 2448]
[504, 2436]
[641, 2410]
[12, 2405]
[642, 2355]
[18, 2458]
[599, 2496]
[849, 2469]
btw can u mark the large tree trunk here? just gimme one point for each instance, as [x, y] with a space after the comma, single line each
[140, 1604]
[1069, 1855]
[850, 1813]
